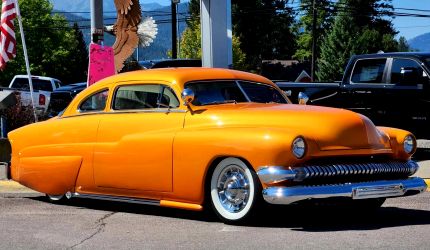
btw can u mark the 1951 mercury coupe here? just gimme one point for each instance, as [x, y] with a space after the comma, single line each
[191, 137]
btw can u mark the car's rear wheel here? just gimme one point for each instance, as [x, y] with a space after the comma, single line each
[235, 190]
[56, 198]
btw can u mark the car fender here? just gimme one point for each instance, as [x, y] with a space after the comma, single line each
[195, 151]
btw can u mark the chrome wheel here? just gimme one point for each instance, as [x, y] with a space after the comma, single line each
[233, 190]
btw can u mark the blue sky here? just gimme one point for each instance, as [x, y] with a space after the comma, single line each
[411, 27]
[162, 2]
[408, 27]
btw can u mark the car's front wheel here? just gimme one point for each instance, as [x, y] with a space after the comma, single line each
[235, 190]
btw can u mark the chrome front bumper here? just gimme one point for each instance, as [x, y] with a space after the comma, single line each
[361, 190]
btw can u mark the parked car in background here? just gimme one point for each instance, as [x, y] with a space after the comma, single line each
[42, 87]
[393, 89]
[62, 96]
[170, 63]
[191, 137]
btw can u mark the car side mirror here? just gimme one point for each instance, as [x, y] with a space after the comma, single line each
[187, 96]
[303, 98]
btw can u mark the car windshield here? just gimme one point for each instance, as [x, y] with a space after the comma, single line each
[219, 92]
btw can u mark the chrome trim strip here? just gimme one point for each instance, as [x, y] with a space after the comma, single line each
[155, 110]
[362, 190]
[243, 91]
[117, 198]
[274, 174]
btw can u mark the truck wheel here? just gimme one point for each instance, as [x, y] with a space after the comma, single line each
[235, 191]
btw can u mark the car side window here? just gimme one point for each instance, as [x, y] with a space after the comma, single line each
[95, 102]
[368, 71]
[407, 72]
[145, 96]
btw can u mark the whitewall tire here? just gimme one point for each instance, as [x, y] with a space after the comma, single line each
[234, 190]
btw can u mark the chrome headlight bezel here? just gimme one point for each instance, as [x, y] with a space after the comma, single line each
[298, 147]
[409, 144]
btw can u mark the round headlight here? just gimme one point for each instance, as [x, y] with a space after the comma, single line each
[299, 147]
[409, 144]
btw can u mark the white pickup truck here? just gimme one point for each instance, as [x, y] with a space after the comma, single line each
[42, 87]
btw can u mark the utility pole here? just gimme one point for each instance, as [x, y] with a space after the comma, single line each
[314, 39]
[97, 21]
[174, 29]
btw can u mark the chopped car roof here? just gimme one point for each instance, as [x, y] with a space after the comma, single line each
[181, 76]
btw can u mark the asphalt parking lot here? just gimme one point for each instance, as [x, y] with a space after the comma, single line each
[28, 221]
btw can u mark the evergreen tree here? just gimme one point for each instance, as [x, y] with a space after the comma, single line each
[325, 17]
[360, 27]
[78, 58]
[403, 45]
[265, 25]
[50, 43]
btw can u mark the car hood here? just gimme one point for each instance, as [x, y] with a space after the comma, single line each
[330, 128]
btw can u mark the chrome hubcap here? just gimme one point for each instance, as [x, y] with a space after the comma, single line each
[233, 188]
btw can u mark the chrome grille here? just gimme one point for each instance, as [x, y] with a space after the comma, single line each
[318, 171]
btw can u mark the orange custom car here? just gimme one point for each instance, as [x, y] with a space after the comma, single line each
[194, 137]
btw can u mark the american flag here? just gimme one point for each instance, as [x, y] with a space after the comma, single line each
[7, 38]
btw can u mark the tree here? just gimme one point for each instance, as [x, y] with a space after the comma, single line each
[78, 57]
[51, 43]
[360, 27]
[403, 45]
[325, 18]
[265, 25]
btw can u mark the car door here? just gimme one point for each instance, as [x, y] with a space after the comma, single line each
[134, 140]
[366, 88]
[407, 96]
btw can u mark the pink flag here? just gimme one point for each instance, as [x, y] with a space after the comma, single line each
[101, 63]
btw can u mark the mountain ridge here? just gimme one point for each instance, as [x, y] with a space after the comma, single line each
[421, 42]
[157, 50]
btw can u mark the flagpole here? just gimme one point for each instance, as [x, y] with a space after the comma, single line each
[27, 64]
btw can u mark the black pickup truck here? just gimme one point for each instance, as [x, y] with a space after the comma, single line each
[392, 89]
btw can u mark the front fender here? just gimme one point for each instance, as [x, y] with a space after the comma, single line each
[397, 137]
[195, 149]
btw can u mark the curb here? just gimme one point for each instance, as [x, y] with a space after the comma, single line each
[7, 186]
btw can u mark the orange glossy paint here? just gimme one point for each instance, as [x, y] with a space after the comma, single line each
[166, 155]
